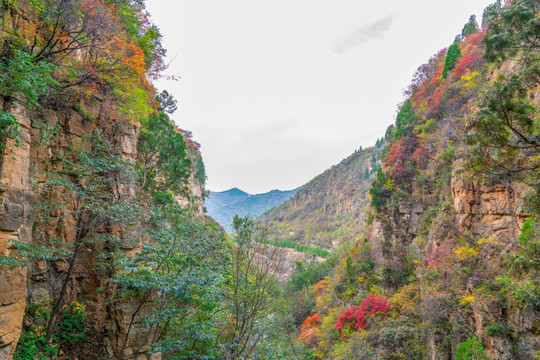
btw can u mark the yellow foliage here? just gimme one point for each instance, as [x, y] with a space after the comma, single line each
[375, 289]
[464, 253]
[467, 299]
[486, 240]
[406, 299]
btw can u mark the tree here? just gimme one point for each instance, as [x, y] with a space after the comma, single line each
[506, 142]
[249, 302]
[166, 167]
[88, 200]
[469, 27]
[452, 56]
[513, 30]
[379, 191]
[405, 120]
[172, 286]
[355, 317]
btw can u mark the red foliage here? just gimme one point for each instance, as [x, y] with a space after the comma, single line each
[438, 254]
[355, 317]
[396, 154]
[309, 332]
[468, 62]
[188, 138]
[420, 155]
[312, 321]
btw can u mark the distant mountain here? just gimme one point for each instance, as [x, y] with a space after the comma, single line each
[223, 205]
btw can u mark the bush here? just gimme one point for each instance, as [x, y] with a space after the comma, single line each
[497, 329]
[471, 349]
[355, 317]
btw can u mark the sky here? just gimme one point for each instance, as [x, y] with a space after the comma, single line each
[277, 91]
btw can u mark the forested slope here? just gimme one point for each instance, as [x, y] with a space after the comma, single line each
[331, 209]
[447, 267]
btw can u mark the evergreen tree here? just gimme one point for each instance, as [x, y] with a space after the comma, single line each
[469, 27]
[404, 120]
[452, 56]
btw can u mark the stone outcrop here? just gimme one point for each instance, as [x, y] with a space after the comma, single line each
[15, 225]
[21, 171]
[495, 212]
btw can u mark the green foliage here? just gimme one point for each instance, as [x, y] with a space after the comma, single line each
[23, 81]
[513, 30]
[175, 274]
[452, 56]
[471, 349]
[402, 343]
[68, 332]
[497, 329]
[290, 244]
[379, 191]
[505, 144]
[71, 325]
[405, 120]
[310, 274]
[469, 27]
[20, 75]
[523, 265]
[165, 164]
[31, 346]
[9, 129]
[491, 12]
[250, 291]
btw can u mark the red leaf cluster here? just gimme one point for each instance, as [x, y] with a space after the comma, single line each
[355, 317]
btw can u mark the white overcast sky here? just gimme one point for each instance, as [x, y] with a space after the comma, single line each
[277, 91]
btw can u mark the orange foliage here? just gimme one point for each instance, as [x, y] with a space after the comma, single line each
[310, 333]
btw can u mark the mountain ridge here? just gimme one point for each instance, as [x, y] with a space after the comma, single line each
[223, 205]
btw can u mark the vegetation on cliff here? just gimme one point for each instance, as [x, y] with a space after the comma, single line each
[430, 238]
[459, 183]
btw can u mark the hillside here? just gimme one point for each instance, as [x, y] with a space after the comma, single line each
[331, 209]
[223, 205]
[447, 265]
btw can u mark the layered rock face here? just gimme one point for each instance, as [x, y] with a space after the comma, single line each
[23, 170]
[493, 213]
[15, 224]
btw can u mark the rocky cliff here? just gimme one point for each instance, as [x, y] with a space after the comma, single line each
[55, 123]
[447, 249]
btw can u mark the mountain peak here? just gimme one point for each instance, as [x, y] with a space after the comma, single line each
[234, 191]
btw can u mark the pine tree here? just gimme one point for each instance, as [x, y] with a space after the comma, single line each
[469, 27]
[452, 56]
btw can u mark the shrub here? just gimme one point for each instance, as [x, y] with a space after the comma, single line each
[497, 329]
[355, 317]
[471, 349]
